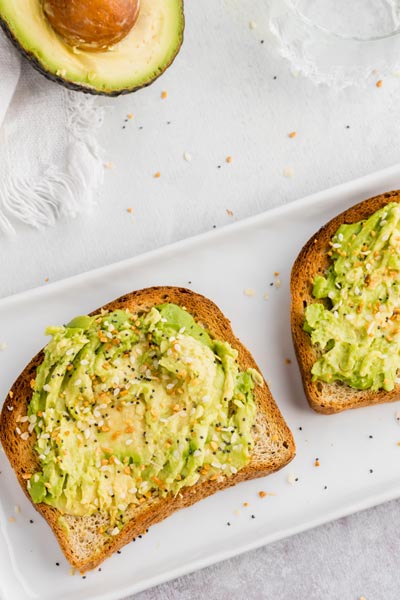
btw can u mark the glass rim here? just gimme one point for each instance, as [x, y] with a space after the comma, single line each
[337, 36]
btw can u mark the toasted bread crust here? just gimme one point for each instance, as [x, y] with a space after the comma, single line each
[82, 545]
[323, 397]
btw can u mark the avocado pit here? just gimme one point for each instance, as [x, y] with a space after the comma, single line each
[92, 25]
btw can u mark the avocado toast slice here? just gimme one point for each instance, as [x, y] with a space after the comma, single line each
[345, 306]
[88, 538]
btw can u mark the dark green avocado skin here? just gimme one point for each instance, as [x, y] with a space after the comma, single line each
[70, 85]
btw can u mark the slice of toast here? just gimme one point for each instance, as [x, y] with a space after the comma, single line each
[78, 537]
[313, 260]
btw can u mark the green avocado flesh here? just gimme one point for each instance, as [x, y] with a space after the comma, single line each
[134, 62]
[357, 327]
[128, 407]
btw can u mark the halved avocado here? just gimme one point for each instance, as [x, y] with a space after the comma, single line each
[135, 62]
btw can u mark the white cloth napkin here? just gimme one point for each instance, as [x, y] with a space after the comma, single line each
[50, 161]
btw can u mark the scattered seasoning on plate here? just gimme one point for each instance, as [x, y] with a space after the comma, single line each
[371, 470]
[46, 279]
[253, 516]
[317, 463]
[245, 504]
[11, 519]
[129, 210]
[130, 116]
[31, 521]
[157, 175]
[228, 159]
[262, 494]
[347, 126]
[278, 283]
[397, 415]
[292, 134]
[252, 24]
[72, 571]
[300, 429]
[379, 83]
[228, 524]
[164, 95]
[325, 487]
[370, 437]
[288, 361]
[292, 478]
[275, 77]
[3, 345]
[266, 296]
[229, 212]
[187, 156]
[109, 165]
[57, 564]
[83, 576]
[261, 41]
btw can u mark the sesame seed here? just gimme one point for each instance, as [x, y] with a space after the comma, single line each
[249, 292]
[288, 172]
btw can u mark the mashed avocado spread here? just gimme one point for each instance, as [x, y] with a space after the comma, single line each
[131, 406]
[357, 327]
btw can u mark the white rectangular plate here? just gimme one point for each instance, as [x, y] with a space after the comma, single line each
[356, 470]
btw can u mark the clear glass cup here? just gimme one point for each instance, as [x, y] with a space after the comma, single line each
[338, 42]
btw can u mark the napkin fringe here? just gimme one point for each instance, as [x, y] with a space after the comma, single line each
[39, 201]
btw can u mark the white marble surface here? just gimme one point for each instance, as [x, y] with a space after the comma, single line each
[231, 95]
